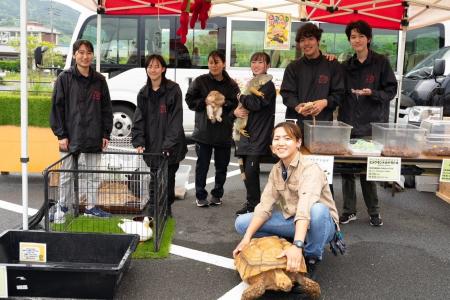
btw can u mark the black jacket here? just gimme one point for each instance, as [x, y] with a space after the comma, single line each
[81, 110]
[307, 80]
[260, 122]
[158, 121]
[219, 133]
[376, 74]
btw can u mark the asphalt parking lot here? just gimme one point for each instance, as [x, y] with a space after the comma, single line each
[407, 258]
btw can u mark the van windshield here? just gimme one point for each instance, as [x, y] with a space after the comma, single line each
[424, 69]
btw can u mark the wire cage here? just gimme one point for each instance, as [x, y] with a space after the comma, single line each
[107, 192]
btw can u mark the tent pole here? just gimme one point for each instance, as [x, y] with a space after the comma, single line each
[400, 63]
[24, 110]
[99, 42]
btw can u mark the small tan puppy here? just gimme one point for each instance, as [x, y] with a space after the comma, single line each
[214, 102]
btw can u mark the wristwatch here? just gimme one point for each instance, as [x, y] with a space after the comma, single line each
[299, 244]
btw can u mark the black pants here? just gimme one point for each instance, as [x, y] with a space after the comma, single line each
[252, 184]
[221, 161]
[369, 190]
[171, 171]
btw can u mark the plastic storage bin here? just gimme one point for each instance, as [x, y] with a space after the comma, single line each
[327, 137]
[400, 140]
[79, 265]
[436, 126]
[437, 145]
[181, 180]
[427, 183]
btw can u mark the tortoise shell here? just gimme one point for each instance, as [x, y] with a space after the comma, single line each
[260, 255]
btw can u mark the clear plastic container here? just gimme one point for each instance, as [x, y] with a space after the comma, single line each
[436, 126]
[437, 145]
[327, 137]
[399, 140]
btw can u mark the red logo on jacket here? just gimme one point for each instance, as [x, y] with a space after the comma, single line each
[370, 78]
[323, 79]
[162, 109]
[96, 96]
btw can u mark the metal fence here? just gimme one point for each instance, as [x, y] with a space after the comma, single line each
[121, 184]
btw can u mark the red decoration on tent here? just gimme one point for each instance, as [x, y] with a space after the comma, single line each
[200, 10]
[184, 21]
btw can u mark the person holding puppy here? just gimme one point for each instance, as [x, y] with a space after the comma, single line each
[312, 86]
[209, 136]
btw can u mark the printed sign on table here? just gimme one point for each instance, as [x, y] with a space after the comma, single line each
[33, 252]
[278, 34]
[3, 282]
[325, 162]
[445, 171]
[383, 168]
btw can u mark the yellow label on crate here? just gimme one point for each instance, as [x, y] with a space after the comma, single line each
[383, 168]
[33, 252]
[3, 282]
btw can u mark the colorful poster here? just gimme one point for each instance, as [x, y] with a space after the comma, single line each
[278, 32]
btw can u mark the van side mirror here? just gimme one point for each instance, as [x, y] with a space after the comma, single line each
[38, 53]
[438, 67]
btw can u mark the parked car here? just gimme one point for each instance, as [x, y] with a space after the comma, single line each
[419, 84]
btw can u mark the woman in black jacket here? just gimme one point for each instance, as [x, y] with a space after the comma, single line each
[209, 136]
[260, 112]
[158, 122]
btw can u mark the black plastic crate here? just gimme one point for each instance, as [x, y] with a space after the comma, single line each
[79, 265]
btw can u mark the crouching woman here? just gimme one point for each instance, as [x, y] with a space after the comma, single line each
[307, 213]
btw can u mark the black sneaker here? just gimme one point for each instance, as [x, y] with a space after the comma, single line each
[375, 220]
[244, 210]
[215, 201]
[312, 264]
[347, 218]
[202, 203]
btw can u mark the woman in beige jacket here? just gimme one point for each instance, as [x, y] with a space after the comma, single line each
[307, 213]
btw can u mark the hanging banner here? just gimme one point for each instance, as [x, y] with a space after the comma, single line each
[277, 32]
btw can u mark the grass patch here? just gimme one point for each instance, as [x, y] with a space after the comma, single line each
[38, 110]
[109, 225]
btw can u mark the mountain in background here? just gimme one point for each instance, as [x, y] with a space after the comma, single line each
[64, 18]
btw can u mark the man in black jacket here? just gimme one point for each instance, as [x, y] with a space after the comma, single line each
[81, 118]
[312, 85]
[210, 136]
[370, 85]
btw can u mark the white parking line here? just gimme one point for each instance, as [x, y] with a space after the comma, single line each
[191, 186]
[235, 293]
[205, 257]
[16, 208]
[212, 161]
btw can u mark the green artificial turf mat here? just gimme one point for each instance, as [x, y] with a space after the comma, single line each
[110, 225]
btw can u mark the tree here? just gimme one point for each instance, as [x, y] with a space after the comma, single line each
[51, 56]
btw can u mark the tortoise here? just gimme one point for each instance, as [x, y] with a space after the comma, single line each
[259, 266]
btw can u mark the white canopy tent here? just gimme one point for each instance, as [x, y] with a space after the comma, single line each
[420, 13]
